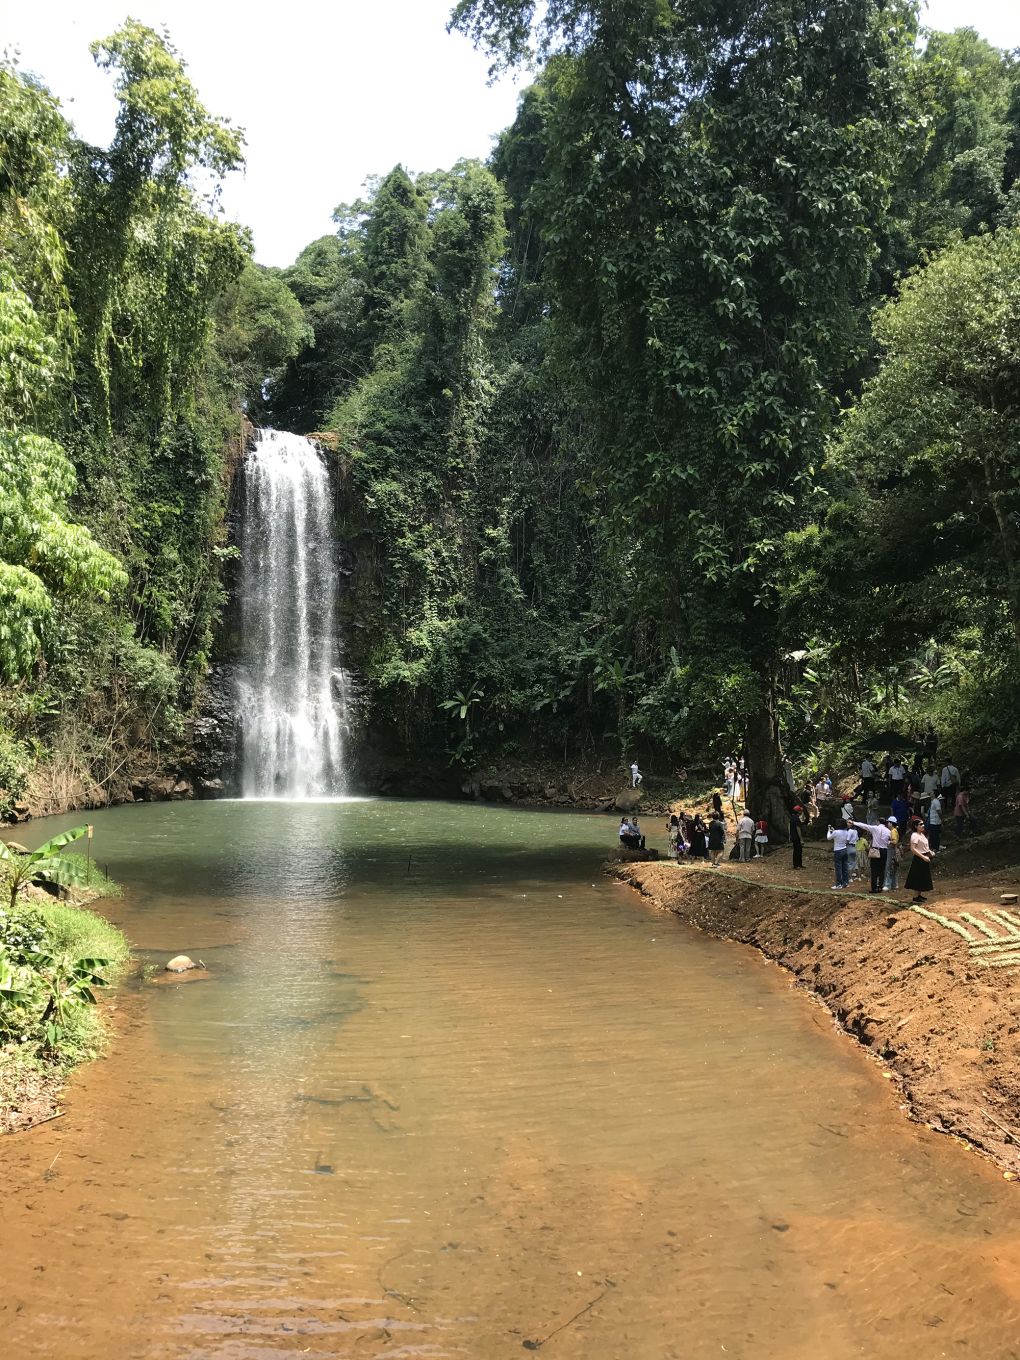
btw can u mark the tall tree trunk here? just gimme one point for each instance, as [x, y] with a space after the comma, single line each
[769, 794]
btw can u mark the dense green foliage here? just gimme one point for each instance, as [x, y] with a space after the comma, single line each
[53, 958]
[685, 424]
[133, 328]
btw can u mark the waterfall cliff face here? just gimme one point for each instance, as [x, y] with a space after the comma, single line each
[290, 685]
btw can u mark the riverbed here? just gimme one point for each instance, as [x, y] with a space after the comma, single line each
[447, 1091]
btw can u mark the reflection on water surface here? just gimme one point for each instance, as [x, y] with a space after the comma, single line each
[441, 1097]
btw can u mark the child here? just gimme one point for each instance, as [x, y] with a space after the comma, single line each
[761, 838]
[863, 855]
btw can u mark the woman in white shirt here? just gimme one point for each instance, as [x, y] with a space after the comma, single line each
[844, 841]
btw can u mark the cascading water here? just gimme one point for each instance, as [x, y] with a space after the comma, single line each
[290, 685]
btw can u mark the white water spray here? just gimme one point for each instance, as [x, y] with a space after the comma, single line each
[290, 685]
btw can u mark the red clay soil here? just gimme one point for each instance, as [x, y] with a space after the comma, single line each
[944, 1024]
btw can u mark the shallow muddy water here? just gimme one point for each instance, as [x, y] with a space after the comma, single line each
[449, 1092]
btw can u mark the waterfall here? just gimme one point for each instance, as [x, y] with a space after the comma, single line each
[290, 685]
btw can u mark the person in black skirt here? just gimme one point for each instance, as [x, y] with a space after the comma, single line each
[919, 875]
[699, 838]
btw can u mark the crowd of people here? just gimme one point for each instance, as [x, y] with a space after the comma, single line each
[921, 798]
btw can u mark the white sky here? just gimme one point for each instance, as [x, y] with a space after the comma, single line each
[328, 91]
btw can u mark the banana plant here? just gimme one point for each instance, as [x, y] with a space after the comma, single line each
[463, 704]
[68, 981]
[43, 865]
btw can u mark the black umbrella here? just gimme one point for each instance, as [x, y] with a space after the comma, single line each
[887, 741]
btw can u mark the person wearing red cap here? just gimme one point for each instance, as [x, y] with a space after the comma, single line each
[795, 838]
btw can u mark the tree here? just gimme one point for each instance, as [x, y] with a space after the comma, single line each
[932, 442]
[259, 326]
[713, 179]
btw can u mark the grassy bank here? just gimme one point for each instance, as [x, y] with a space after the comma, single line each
[55, 958]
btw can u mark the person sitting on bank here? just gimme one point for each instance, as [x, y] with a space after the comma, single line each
[630, 835]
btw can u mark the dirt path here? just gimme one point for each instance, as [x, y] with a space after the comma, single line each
[935, 997]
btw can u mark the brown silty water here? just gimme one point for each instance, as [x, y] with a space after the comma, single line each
[447, 1092]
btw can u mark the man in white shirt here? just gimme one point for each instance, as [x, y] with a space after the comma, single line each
[867, 778]
[950, 784]
[897, 774]
[635, 775]
[935, 824]
[880, 836]
[844, 839]
[745, 836]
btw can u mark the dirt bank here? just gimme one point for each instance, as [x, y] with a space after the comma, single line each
[941, 1011]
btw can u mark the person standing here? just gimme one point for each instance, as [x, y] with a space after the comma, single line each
[717, 804]
[901, 811]
[761, 838]
[788, 772]
[716, 839]
[796, 840]
[962, 813]
[897, 774]
[843, 838]
[935, 824]
[699, 838]
[847, 810]
[871, 815]
[635, 775]
[950, 783]
[930, 784]
[862, 851]
[867, 778]
[879, 836]
[919, 875]
[893, 855]
[745, 836]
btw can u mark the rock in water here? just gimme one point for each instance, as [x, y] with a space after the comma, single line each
[180, 964]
